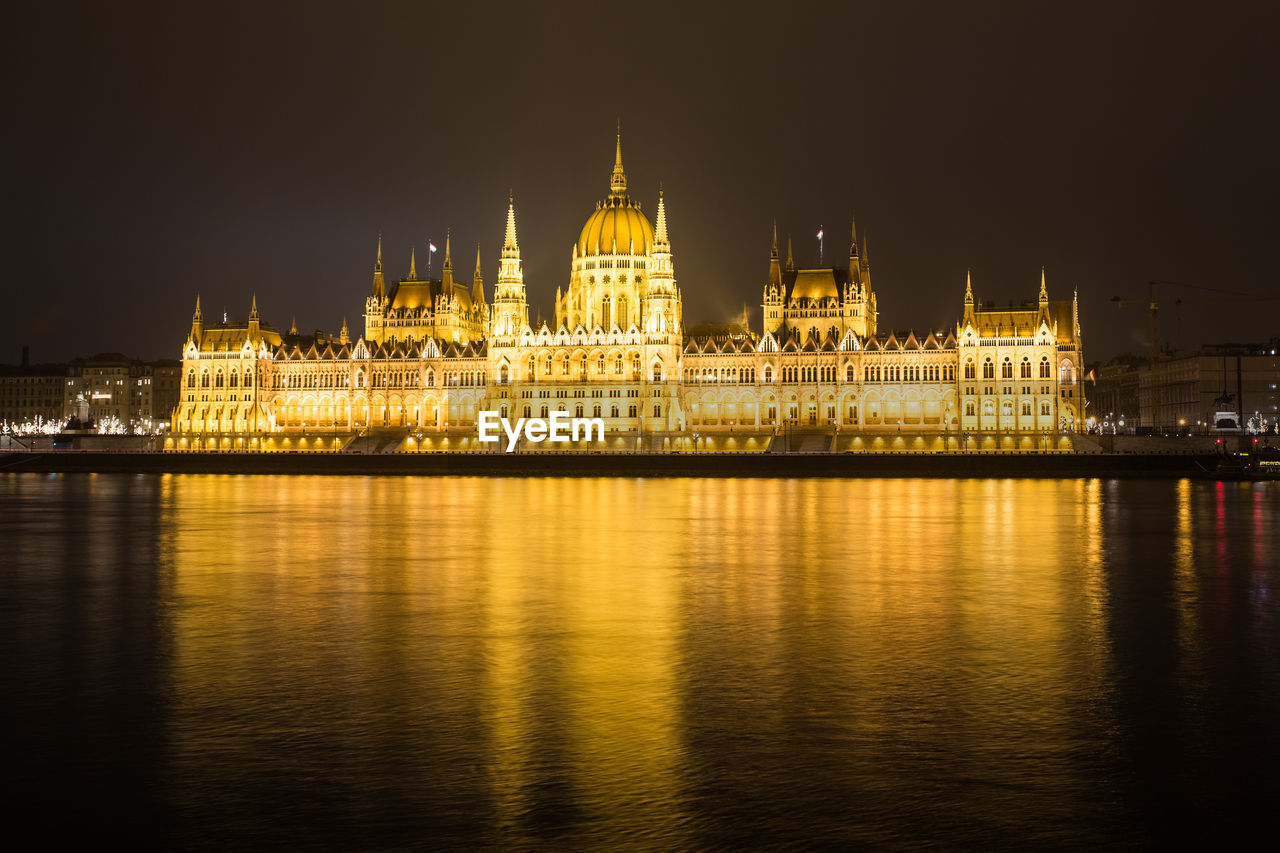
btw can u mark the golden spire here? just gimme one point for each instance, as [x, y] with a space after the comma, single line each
[377, 265]
[853, 236]
[1044, 293]
[618, 182]
[477, 281]
[344, 337]
[773, 253]
[510, 248]
[293, 325]
[253, 310]
[448, 262]
[660, 233]
[413, 267]
[968, 287]
[791, 264]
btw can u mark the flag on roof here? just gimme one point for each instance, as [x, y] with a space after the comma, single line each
[431, 246]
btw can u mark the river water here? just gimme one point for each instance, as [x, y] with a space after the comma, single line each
[388, 662]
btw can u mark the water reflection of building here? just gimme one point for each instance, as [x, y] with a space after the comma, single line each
[434, 353]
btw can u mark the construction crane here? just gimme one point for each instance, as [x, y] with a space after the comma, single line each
[1153, 306]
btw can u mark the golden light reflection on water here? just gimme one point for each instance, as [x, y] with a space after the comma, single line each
[580, 614]
[592, 663]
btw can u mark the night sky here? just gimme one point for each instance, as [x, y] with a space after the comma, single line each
[159, 152]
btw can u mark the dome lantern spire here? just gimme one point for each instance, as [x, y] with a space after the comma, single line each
[618, 181]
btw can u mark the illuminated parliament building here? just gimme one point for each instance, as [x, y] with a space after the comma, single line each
[435, 353]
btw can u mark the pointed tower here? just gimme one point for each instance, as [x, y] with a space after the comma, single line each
[659, 313]
[413, 266]
[1042, 301]
[254, 325]
[379, 282]
[375, 306]
[772, 306]
[344, 337]
[293, 325]
[197, 323]
[969, 319]
[477, 283]
[510, 310]
[791, 263]
[446, 281]
[852, 290]
[775, 265]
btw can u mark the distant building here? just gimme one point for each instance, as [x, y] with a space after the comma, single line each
[108, 388]
[1189, 391]
[31, 392]
[1114, 396]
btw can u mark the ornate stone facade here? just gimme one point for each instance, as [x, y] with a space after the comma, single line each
[435, 353]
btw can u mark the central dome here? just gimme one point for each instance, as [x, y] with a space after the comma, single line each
[618, 226]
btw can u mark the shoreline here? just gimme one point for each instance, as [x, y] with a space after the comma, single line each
[850, 465]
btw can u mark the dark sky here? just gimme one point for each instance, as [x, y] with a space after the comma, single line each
[229, 149]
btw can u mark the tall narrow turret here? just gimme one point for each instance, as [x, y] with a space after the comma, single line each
[254, 325]
[658, 301]
[477, 281]
[446, 282]
[379, 283]
[510, 310]
[197, 323]
[969, 318]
